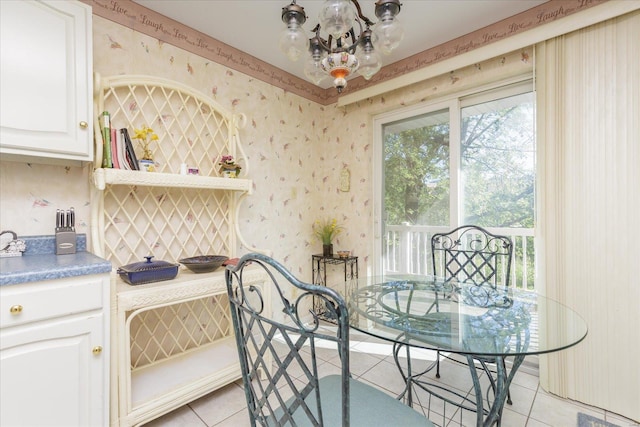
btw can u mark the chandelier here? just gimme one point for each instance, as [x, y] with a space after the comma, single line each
[343, 51]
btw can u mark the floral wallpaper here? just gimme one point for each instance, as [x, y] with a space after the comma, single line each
[296, 150]
[31, 193]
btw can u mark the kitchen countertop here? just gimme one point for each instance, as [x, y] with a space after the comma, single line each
[39, 262]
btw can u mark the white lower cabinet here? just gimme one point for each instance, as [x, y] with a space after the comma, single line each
[54, 353]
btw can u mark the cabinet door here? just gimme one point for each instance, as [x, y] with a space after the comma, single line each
[51, 374]
[46, 79]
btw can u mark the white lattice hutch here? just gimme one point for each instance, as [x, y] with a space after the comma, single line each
[172, 341]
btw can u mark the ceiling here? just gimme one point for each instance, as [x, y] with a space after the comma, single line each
[254, 26]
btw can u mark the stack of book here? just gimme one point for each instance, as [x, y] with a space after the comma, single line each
[117, 150]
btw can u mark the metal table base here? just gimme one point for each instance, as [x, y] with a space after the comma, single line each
[498, 386]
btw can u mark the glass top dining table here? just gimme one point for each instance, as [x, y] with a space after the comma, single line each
[475, 321]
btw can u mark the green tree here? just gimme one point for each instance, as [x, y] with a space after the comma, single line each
[497, 164]
[417, 189]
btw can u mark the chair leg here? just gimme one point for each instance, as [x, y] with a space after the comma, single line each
[437, 364]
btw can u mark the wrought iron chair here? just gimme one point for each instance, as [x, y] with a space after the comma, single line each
[472, 254]
[278, 355]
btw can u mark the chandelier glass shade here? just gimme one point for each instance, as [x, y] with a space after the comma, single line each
[351, 43]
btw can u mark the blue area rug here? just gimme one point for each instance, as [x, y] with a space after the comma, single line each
[585, 420]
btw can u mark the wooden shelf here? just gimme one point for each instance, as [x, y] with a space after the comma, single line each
[184, 377]
[171, 382]
[186, 286]
[102, 177]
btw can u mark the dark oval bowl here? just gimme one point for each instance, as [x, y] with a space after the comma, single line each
[203, 263]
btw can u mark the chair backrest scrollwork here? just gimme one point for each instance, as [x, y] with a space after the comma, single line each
[471, 253]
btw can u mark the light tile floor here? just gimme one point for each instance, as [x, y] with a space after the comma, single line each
[371, 361]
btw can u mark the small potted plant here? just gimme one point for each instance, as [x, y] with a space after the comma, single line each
[146, 135]
[326, 230]
[228, 167]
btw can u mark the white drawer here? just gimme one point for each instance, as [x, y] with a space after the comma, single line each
[30, 302]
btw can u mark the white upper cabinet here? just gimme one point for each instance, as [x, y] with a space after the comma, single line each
[46, 67]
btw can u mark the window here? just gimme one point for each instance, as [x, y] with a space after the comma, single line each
[466, 160]
[497, 161]
[416, 164]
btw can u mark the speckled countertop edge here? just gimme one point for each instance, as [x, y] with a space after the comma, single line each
[39, 262]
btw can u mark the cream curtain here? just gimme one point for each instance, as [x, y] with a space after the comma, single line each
[588, 96]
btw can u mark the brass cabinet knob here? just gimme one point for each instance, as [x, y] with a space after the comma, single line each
[97, 350]
[84, 124]
[15, 309]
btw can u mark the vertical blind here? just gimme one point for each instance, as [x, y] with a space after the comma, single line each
[588, 104]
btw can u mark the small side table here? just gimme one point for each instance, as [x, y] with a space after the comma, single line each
[319, 276]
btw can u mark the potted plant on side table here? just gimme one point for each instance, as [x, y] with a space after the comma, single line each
[326, 230]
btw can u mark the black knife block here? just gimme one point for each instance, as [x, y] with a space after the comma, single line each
[65, 242]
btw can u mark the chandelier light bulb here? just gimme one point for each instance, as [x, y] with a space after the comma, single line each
[387, 34]
[337, 17]
[293, 42]
[370, 64]
[313, 71]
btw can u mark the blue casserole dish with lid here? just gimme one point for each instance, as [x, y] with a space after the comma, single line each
[148, 271]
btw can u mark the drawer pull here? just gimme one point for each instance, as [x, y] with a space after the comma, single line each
[15, 309]
[84, 124]
[97, 350]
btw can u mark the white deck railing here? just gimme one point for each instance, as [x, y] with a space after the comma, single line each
[408, 251]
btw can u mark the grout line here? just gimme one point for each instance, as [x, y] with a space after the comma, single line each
[197, 415]
[230, 416]
[533, 401]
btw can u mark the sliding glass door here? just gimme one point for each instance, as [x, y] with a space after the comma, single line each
[468, 160]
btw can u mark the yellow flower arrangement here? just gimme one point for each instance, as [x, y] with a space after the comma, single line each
[326, 230]
[145, 135]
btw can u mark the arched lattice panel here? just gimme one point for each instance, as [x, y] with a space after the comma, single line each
[191, 128]
[162, 213]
